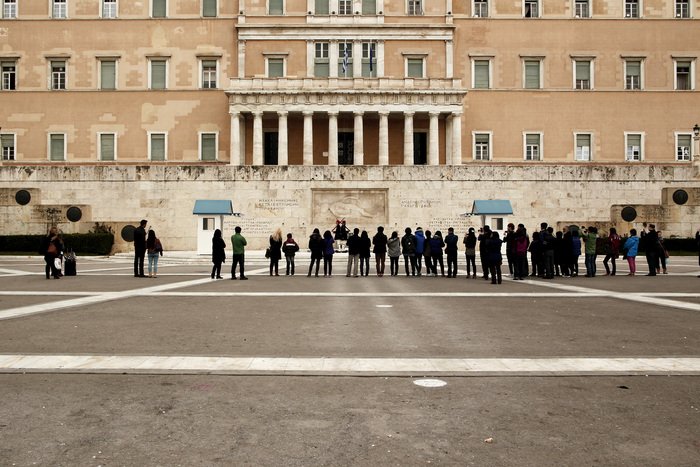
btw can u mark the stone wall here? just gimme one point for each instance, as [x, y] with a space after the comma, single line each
[299, 198]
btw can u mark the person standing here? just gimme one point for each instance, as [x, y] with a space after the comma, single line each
[495, 258]
[328, 252]
[316, 248]
[341, 232]
[484, 234]
[613, 251]
[522, 242]
[353, 252]
[697, 241]
[630, 249]
[436, 246]
[536, 255]
[275, 251]
[290, 248]
[590, 238]
[365, 253]
[238, 244]
[154, 249]
[575, 252]
[650, 242]
[429, 266]
[420, 248]
[451, 241]
[408, 248]
[51, 247]
[509, 240]
[380, 244]
[393, 246]
[140, 248]
[548, 243]
[663, 254]
[218, 254]
[470, 252]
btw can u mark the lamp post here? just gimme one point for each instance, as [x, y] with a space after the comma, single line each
[696, 138]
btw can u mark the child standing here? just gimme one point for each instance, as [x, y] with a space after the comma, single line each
[290, 247]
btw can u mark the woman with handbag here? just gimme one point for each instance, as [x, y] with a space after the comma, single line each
[154, 249]
[51, 247]
[275, 251]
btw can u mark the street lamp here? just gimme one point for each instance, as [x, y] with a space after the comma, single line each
[696, 137]
[696, 131]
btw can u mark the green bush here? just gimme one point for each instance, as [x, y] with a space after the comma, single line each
[87, 244]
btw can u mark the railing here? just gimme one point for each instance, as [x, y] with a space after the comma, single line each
[343, 84]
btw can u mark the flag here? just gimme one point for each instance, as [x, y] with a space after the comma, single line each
[371, 57]
[345, 60]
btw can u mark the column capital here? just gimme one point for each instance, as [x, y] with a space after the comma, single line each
[457, 113]
[282, 113]
[234, 113]
[333, 113]
[409, 113]
[384, 113]
[257, 113]
[308, 113]
[358, 113]
[434, 113]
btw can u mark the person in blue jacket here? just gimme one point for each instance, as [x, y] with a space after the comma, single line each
[630, 249]
[420, 248]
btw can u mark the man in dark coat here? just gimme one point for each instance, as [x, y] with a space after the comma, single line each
[139, 248]
[451, 241]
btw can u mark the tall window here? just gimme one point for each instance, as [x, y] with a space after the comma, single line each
[684, 74]
[58, 74]
[583, 147]
[207, 146]
[415, 7]
[275, 67]
[108, 74]
[57, 147]
[275, 7]
[482, 74]
[480, 9]
[9, 75]
[582, 9]
[683, 146]
[321, 7]
[482, 146]
[633, 74]
[531, 9]
[109, 8]
[369, 59]
[157, 146]
[7, 141]
[209, 8]
[415, 67]
[159, 8]
[107, 145]
[321, 62]
[9, 9]
[582, 68]
[634, 148]
[159, 74]
[533, 146]
[631, 8]
[682, 8]
[531, 78]
[345, 59]
[345, 7]
[209, 74]
[59, 9]
[369, 7]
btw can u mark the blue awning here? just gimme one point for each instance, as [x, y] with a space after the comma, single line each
[483, 207]
[213, 206]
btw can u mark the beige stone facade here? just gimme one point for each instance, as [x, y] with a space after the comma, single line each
[136, 109]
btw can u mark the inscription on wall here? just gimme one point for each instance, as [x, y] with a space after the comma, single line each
[460, 224]
[276, 203]
[418, 203]
[250, 227]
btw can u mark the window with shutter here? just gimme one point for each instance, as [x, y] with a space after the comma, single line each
[7, 141]
[107, 146]
[159, 8]
[57, 147]
[208, 147]
[321, 7]
[683, 147]
[275, 7]
[633, 74]
[481, 74]
[369, 7]
[583, 147]
[108, 74]
[157, 146]
[414, 68]
[634, 147]
[158, 74]
[583, 74]
[532, 147]
[532, 74]
[209, 8]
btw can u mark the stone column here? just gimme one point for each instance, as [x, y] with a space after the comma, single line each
[333, 138]
[384, 137]
[236, 139]
[449, 59]
[433, 140]
[282, 138]
[457, 138]
[241, 59]
[380, 58]
[448, 140]
[408, 138]
[308, 137]
[257, 138]
[333, 53]
[358, 139]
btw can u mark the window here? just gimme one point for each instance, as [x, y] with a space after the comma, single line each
[684, 81]
[480, 9]
[533, 146]
[369, 7]
[157, 146]
[415, 67]
[369, 59]
[7, 141]
[9, 9]
[108, 74]
[482, 146]
[415, 7]
[208, 223]
[209, 74]
[209, 8]
[683, 146]
[275, 7]
[207, 146]
[583, 147]
[9, 75]
[582, 9]
[275, 67]
[58, 74]
[481, 76]
[633, 74]
[531, 9]
[345, 7]
[345, 59]
[57, 147]
[159, 74]
[159, 8]
[321, 7]
[634, 146]
[531, 78]
[682, 8]
[321, 62]
[59, 9]
[631, 8]
[107, 145]
[109, 8]
[582, 77]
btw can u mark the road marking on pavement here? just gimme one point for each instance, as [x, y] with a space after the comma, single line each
[14, 363]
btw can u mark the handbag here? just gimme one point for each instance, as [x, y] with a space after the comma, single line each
[267, 252]
[51, 250]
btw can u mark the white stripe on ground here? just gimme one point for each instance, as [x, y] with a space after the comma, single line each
[12, 363]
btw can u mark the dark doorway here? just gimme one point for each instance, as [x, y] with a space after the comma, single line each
[270, 144]
[420, 148]
[346, 147]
